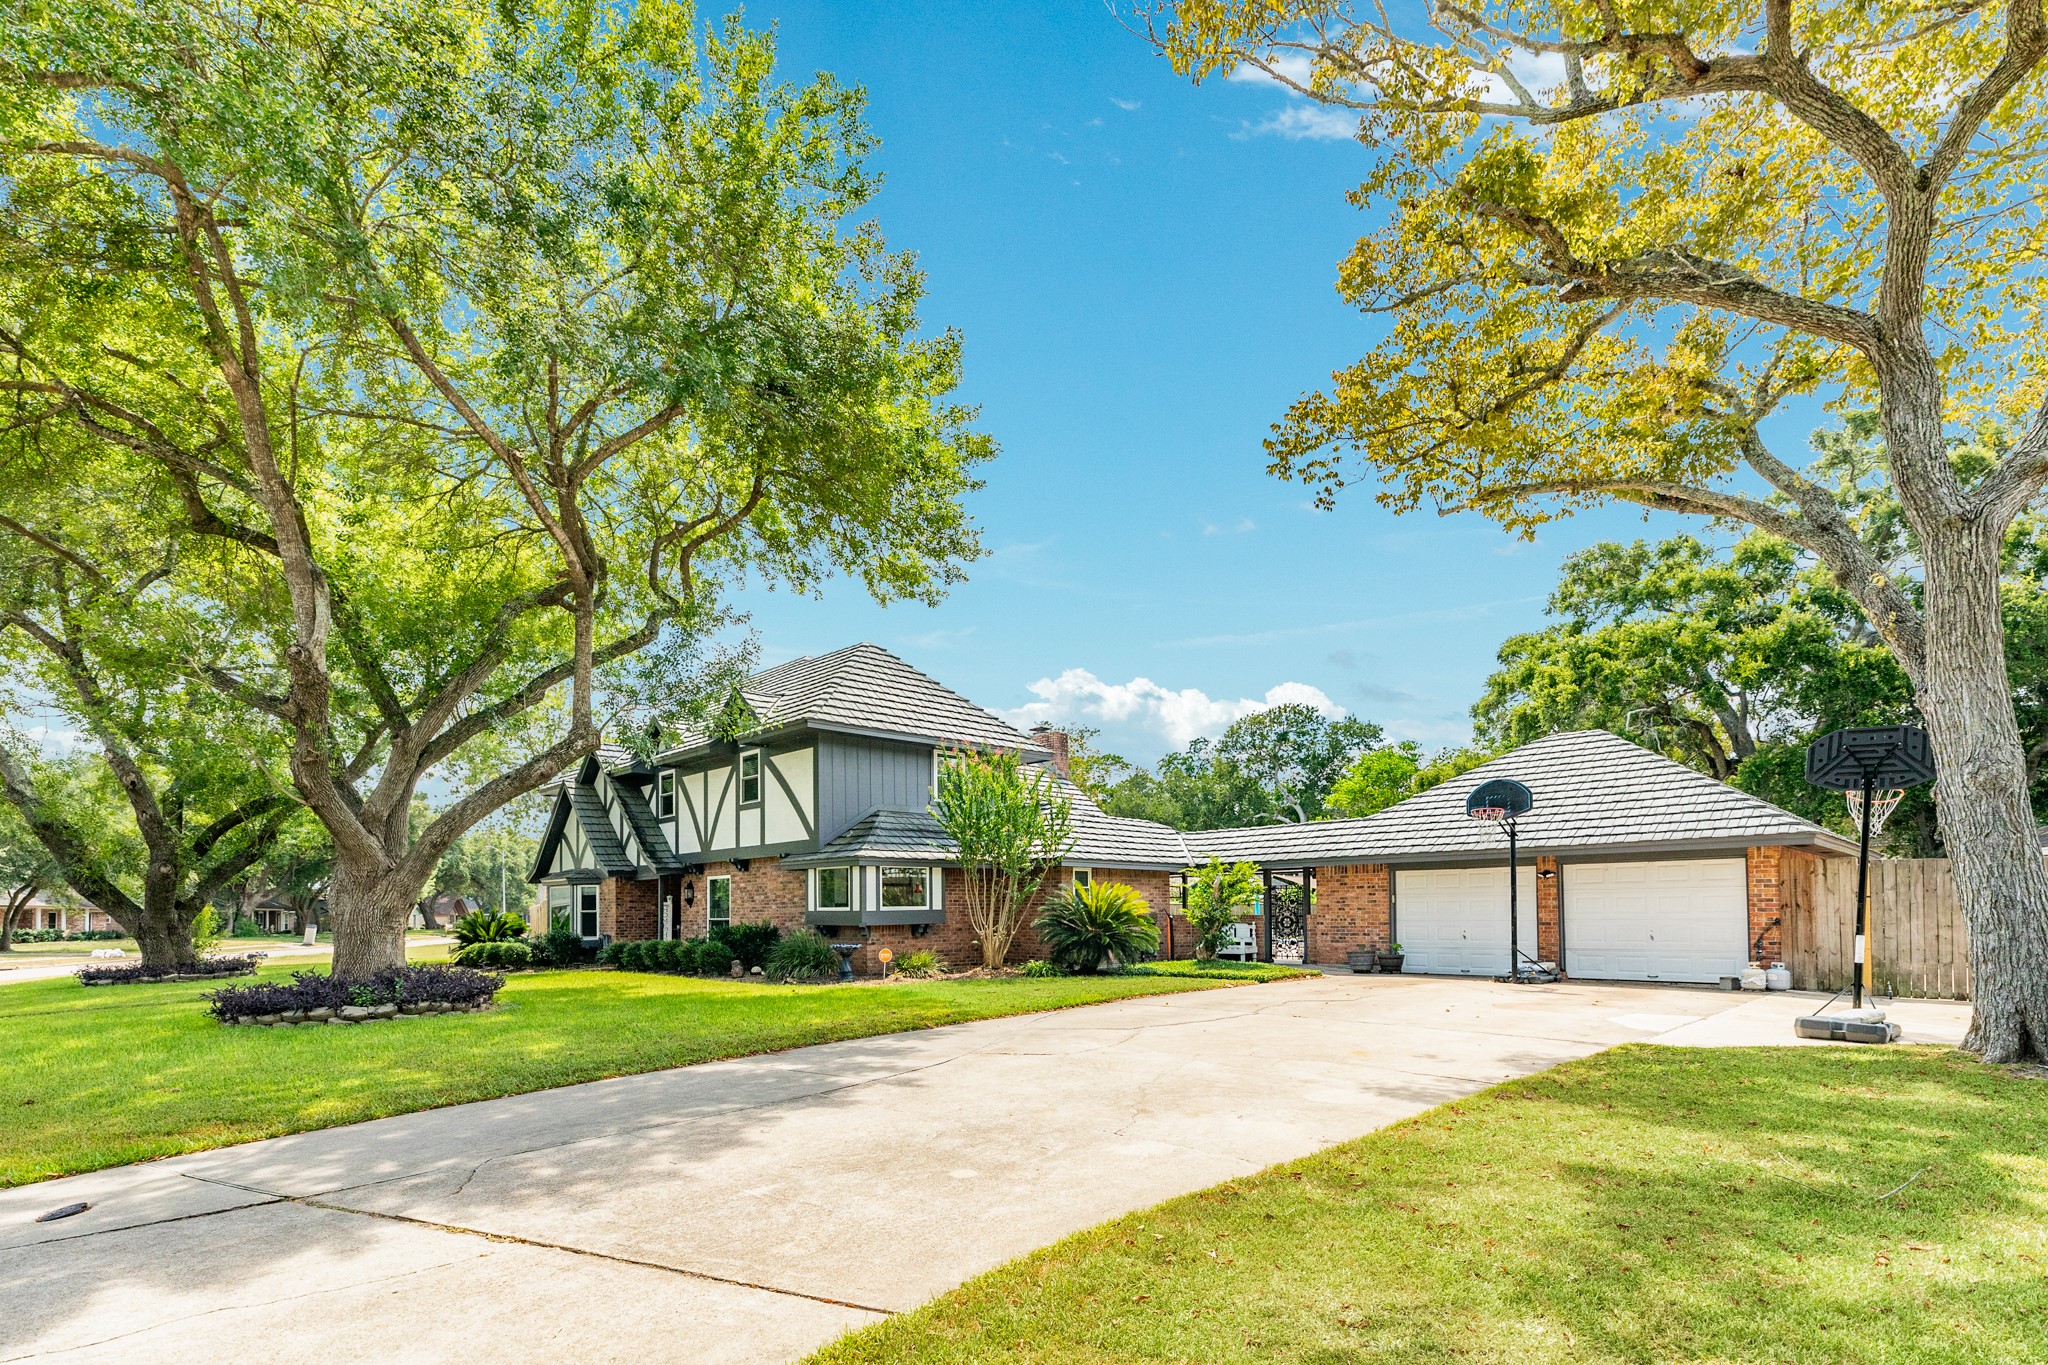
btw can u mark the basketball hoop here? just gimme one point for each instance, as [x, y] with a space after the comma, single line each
[1488, 813]
[1882, 804]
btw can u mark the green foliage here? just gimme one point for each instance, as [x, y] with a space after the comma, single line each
[206, 931]
[805, 956]
[1391, 774]
[676, 955]
[1038, 968]
[611, 954]
[1219, 894]
[1010, 826]
[561, 946]
[715, 956]
[1085, 926]
[750, 941]
[506, 954]
[923, 962]
[419, 361]
[1276, 764]
[488, 926]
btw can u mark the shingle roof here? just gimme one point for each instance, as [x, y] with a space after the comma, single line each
[865, 688]
[884, 833]
[598, 832]
[1594, 791]
[1099, 840]
[1115, 841]
[647, 830]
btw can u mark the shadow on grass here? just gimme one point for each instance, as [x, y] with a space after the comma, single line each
[1646, 1204]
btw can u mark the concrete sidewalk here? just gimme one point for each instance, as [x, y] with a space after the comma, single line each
[751, 1210]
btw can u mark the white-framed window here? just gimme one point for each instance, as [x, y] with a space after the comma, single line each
[717, 902]
[750, 778]
[906, 888]
[665, 794]
[558, 907]
[1084, 876]
[586, 911]
[834, 888]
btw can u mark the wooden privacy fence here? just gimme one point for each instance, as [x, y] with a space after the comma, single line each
[1918, 944]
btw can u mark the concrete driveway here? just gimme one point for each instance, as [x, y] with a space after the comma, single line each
[751, 1210]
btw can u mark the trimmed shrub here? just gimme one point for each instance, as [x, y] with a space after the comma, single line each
[418, 985]
[803, 957]
[676, 955]
[612, 954]
[130, 973]
[924, 962]
[488, 926]
[1037, 968]
[561, 946]
[751, 943]
[1084, 926]
[509, 954]
[713, 957]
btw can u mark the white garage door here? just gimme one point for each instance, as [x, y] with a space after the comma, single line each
[1680, 920]
[1454, 920]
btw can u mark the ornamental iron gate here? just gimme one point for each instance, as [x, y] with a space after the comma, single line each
[1288, 898]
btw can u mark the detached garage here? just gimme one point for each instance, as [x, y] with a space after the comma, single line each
[1634, 868]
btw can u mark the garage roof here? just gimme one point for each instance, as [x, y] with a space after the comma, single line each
[1596, 793]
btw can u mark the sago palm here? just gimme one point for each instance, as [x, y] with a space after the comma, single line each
[1084, 926]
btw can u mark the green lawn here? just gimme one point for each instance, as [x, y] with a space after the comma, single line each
[1648, 1204]
[99, 1077]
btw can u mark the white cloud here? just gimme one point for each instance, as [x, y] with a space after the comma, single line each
[1294, 66]
[1128, 106]
[1242, 526]
[1141, 704]
[1303, 122]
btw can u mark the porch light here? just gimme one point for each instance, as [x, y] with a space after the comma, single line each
[689, 893]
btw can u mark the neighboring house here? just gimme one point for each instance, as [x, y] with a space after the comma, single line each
[1634, 867]
[66, 917]
[441, 910]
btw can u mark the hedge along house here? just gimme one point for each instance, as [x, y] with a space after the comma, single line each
[816, 813]
[1634, 867]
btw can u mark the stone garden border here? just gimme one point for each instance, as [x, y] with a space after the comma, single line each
[358, 1014]
[243, 967]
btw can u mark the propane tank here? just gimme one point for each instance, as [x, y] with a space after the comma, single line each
[1777, 977]
[1753, 977]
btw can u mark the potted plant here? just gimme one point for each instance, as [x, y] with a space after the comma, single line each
[1390, 958]
[1362, 959]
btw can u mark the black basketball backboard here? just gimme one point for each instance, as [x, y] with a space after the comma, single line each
[1885, 756]
[1500, 794]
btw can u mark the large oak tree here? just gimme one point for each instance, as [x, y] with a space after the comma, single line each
[1618, 236]
[497, 341]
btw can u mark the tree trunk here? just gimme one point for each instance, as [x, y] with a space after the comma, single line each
[1987, 820]
[15, 905]
[367, 909]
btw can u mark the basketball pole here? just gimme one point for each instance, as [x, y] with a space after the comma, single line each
[1514, 910]
[1863, 893]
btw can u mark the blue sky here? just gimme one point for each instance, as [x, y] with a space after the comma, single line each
[1143, 272]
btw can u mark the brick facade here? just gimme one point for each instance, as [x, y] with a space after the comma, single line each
[768, 891]
[626, 909]
[1353, 910]
[1549, 922]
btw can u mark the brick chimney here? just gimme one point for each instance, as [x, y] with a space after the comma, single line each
[1055, 741]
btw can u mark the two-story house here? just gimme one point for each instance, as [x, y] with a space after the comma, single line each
[816, 814]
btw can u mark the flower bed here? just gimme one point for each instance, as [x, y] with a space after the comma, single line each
[315, 998]
[135, 973]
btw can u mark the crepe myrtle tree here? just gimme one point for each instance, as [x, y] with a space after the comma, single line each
[1011, 826]
[1618, 236]
[495, 342]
